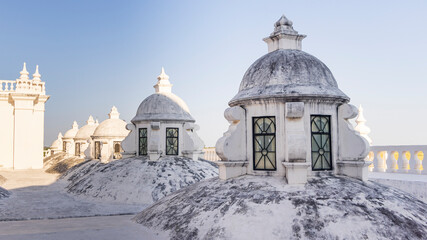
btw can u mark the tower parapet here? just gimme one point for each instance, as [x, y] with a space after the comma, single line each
[22, 106]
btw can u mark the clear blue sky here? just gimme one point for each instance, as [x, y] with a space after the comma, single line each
[96, 54]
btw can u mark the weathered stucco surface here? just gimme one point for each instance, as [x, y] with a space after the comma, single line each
[288, 73]
[255, 207]
[136, 180]
[163, 106]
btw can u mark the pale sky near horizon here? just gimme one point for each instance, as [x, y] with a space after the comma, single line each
[96, 54]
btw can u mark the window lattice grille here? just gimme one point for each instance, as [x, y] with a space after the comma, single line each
[143, 141]
[321, 155]
[264, 143]
[171, 141]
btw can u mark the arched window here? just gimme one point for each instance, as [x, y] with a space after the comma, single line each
[117, 150]
[172, 141]
[117, 147]
[143, 141]
[64, 146]
[264, 143]
[97, 150]
[77, 150]
[321, 156]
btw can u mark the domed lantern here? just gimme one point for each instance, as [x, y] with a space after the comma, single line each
[83, 138]
[163, 126]
[56, 145]
[105, 143]
[289, 117]
[68, 139]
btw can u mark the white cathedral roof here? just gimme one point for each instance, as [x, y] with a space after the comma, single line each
[163, 105]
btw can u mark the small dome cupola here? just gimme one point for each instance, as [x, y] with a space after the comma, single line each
[284, 36]
[163, 105]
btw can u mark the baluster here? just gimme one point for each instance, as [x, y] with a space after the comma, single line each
[394, 167]
[382, 161]
[370, 158]
[406, 156]
[418, 159]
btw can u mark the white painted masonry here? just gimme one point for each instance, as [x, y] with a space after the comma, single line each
[22, 106]
[157, 113]
[293, 89]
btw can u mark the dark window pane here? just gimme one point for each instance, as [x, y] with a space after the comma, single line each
[264, 143]
[321, 156]
[172, 141]
[143, 141]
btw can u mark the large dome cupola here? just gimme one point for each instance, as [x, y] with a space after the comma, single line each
[287, 72]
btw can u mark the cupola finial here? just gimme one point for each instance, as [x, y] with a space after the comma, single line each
[36, 75]
[90, 120]
[24, 73]
[75, 125]
[284, 36]
[163, 85]
[114, 114]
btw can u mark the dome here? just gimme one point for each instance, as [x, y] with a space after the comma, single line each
[72, 132]
[163, 106]
[56, 144]
[289, 74]
[86, 131]
[255, 207]
[112, 127]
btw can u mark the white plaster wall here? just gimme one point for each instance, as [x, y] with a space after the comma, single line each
[70, 146]
[26, 137]
[6, 136]
[319, 108]
[107, 147]
[162, 135]
[277, 109]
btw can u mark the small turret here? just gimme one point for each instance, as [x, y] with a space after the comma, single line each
[90, 121]
[24, 73]
[114, 114]
[75, 125]
[36, 75]
[163, 85]
[284, 36]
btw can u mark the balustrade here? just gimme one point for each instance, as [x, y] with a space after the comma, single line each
[7, 85]
[397, 159]
[210, 154]
[23, 86]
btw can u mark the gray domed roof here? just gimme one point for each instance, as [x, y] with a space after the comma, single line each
[163, 106]
[288, 73]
